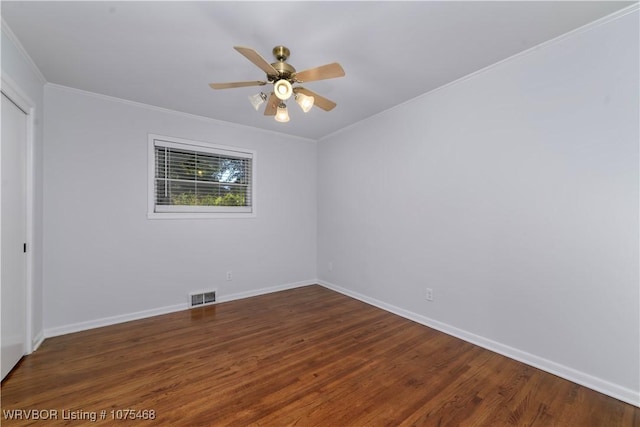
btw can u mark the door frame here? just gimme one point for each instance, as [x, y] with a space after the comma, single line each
[22, 101]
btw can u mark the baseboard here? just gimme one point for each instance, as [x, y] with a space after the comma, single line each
[610, 389]
[37, 340]
[618, 392]
[263, 291]
[112, 320]
[107, 321]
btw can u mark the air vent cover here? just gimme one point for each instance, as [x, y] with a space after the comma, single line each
[198, 299]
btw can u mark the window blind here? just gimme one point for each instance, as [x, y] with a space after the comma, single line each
[201, 179]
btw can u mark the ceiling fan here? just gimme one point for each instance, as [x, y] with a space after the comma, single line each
[283, 76]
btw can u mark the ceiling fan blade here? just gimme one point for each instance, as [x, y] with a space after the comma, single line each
[258, 60]
[236, 84]
[272, 105]
[319, 101]
[328, 71]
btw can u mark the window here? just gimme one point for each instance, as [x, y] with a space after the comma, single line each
[191, 179]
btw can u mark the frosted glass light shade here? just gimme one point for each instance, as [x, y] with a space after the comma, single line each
[257, 100]
[305, 102]
[282, 89]
[282, 115]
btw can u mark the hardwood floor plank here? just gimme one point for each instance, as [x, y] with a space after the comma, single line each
[305, 357]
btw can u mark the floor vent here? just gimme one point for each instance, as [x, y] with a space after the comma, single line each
[198, 299]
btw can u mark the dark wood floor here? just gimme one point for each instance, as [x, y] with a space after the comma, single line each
[306, 357]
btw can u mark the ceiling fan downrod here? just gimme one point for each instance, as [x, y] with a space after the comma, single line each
[285, 70]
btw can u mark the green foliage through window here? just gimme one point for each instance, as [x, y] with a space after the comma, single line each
[190, 199]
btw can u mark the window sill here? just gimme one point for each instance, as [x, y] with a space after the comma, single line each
[200, 215]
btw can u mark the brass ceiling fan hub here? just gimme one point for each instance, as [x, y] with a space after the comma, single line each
[285, 71]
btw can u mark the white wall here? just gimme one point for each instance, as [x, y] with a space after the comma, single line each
[106, 262]
[514, 195]
[20, 71]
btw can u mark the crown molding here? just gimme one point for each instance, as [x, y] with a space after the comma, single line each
[23, 52]
[576, 31]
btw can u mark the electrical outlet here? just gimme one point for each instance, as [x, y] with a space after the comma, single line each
[229, 275]
[429, 294]
[330, 265]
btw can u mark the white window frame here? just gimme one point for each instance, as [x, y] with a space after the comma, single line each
[198, 212]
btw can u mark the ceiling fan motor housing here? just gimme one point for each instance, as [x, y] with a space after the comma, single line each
[285, 71]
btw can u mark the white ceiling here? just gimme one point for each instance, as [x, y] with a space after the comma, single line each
[166, 53]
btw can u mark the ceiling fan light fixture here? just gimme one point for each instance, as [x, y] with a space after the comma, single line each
[304, 101]
[257, 100]
[282, 76]
[283, 90]
[282, 115]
